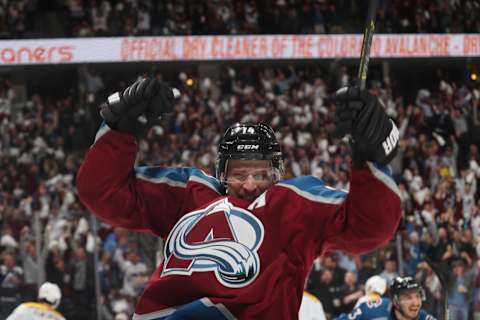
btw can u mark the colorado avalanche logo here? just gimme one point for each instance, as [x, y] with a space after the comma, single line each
[220, 238]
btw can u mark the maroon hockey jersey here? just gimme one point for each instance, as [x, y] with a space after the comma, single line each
[226, 258]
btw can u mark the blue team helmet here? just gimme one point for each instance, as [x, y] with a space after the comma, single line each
[246, 141]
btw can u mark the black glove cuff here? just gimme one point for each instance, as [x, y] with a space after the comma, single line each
[114, 112]
[359, 158]
[113, 109]
[387, 150]
[116, 99]
[381, 152]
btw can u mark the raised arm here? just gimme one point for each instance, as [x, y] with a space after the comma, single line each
[368, 215]
[107, 182]
[356, 222]
[371, 212]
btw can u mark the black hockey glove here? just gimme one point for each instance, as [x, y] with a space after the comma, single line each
[374, 135]
[139, 107]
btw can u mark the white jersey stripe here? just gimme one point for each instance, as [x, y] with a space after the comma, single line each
[154, 315]
[205, 182]
[104, 128]
[161, 314]
[385, 178]
[220, 306]
[311, 197]
[165, 180]
[176, 177]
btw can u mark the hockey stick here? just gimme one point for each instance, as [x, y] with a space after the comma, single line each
[436, 269]
[364, 57]
[367, 43]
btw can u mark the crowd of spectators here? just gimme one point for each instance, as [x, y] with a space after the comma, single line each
[77, 18]
[42, 142]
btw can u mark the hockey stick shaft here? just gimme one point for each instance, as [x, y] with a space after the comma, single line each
[367, 43]
[435, 268]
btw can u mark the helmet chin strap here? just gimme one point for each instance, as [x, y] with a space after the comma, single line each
[223, 179]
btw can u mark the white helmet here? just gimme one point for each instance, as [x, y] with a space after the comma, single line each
[50, 292]
[376, 284]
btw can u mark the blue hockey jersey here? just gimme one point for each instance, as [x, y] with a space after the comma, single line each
[377, 309]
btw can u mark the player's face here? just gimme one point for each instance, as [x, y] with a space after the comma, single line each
[409, 304]
[247, 179]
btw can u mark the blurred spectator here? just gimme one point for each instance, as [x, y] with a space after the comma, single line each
[29, 258]
[42, 140]
[99, 15]
[390, 271]
[56, 267]
[329, 262]
[367, 269]
[93, 83]
[81, 279]
[135, 273]
[349, 293]
[11, 274]
[460, 290]
[114, 240]
[441, 248]
[326, 292]
[432, 287]
[415, 252]
[139, 17]
[11, 281]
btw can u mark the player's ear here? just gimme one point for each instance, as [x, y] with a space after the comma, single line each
[395, 301]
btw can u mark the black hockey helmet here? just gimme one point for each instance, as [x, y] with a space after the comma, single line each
[245, 141]
[404, 284]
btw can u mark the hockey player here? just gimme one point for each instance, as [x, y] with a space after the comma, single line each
[407, 296]
[405, 304]
[238, 245]
[375, 287]
[49, 296]
[311, 308]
